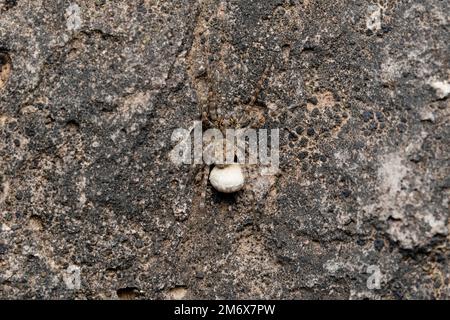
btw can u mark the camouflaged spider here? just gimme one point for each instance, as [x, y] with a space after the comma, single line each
[213, 117]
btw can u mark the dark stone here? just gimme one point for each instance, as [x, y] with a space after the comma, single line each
[367, 116]
[303, 155]
[313, 100]
[3, 249]
[378, 244]
[346, 193]
[311, 132]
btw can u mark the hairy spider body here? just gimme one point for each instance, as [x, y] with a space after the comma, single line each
[228, 177]
[218, 112]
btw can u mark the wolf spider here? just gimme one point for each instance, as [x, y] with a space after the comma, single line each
[213, 117]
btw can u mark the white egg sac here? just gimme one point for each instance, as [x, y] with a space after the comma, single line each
[228, 179]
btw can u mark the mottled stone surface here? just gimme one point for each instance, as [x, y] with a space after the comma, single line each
[91, 91]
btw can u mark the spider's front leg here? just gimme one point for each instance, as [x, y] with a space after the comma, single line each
[206, 121]
[252, 119]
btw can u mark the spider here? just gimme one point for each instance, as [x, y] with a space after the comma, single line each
[214, 117]
[216, 111]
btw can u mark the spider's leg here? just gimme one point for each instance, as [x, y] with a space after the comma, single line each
[206, 121]
[218, 111]
[204, 188]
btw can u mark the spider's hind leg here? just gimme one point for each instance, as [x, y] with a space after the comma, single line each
[204, 186]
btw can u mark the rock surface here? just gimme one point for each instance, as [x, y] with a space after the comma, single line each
[92, 207]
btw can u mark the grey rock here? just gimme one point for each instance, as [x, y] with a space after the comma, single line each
[92, 207]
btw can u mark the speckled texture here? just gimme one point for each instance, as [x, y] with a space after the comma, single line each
[91, 91]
